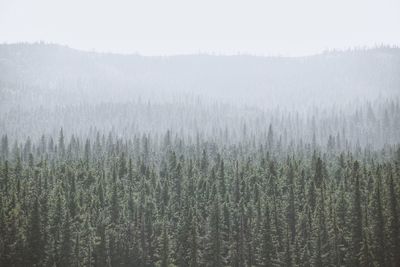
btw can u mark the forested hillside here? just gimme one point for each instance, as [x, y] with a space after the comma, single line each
[124, 160]
[46, 74]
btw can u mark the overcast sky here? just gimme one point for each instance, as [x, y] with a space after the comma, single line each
[149, 27]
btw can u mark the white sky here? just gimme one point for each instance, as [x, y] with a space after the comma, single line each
[149, 27]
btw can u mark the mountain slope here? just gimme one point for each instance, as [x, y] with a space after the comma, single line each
[44, 73]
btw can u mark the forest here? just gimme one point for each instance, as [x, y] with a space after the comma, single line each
[198, 180]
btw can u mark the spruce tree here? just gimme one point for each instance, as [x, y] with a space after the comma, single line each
[34, 236]
[357, 226]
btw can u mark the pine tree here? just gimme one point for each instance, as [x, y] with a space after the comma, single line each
[342, 215]
[61, 144]
[394, 222]
[4, 147]
[214, 239]
[113, 248]
[72, 204]
[66, 245]
[378, 223]
[114, 207]
[5, 179]
[55, 229]
[291, 213]
[357, 235]
[194, 253]
[288, 251]
[267, 245]
[164, 247]
[270, 138]
[34, 237]
[101, 250]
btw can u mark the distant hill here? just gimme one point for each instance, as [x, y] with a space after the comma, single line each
[52, 74]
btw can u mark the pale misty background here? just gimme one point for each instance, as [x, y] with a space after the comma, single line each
[288, 28]
[197, 65]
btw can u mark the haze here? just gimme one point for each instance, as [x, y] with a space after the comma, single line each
[200, 133]
[289, 28]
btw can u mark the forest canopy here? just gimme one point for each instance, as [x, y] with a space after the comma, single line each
[124, 160]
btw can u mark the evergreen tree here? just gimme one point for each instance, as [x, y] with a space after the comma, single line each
[34, 237]
[291, 213]
[357, 227]
[267, 245]
[394, 222]
[61, 144]
[164, 247]
[214, 238]
[378, 223]
[66, 245]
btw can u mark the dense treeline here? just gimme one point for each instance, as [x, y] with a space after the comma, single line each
[111, 201]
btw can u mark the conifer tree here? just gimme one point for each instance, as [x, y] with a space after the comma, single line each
[66, 245]
[164, 247]
[214, 238]
[378, 222]
[34, 237]
[357, 227]
[267, 245]
[394, 221]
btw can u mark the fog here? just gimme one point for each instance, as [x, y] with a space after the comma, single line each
[47, 87]
[287, 28]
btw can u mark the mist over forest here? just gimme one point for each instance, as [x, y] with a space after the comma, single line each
[199, 160]
[63, 86]
[37, 73]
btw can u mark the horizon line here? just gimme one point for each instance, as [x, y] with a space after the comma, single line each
[211, 53]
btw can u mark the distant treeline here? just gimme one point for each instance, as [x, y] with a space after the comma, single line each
[48, 74]
[353, 127]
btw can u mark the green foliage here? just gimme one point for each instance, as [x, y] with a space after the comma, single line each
[106, 204]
